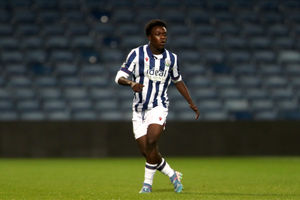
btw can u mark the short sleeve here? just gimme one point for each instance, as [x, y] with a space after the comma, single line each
[129, 64]
[175, 73]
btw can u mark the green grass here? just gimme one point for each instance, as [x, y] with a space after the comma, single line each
[267, 178]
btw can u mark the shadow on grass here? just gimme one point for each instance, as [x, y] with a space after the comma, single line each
[243, 194]
[229, 193]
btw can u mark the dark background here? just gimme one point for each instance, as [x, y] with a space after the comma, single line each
[103, 139]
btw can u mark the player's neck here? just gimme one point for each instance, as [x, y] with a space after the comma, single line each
[155, 51]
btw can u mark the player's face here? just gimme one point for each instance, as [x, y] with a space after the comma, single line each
[158, 37]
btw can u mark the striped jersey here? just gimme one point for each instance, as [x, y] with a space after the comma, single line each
[155, 72]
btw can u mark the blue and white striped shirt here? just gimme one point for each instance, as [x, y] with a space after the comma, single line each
[155, 72]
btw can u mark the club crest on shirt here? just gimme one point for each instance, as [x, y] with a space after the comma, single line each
[168, 63]
[123, 65]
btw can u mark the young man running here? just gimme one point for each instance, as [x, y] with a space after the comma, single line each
[152, 69]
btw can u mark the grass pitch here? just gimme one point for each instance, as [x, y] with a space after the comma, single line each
[257, 178]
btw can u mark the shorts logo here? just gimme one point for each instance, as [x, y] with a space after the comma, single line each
[160, 118]
[146, 59]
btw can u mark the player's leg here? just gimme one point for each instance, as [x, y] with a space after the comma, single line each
[148, 147]
[175, 177]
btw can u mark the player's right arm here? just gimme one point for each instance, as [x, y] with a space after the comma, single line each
[126, 70]
[136, 87]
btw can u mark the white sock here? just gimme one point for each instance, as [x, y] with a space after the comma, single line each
[165, 168]
[150, 170]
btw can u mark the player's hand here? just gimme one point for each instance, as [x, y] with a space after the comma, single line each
[195, 109]
[136, 87]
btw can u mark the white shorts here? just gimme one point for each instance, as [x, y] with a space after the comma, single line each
[141, 120]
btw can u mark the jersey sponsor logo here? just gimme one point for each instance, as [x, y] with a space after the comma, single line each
[156, 74]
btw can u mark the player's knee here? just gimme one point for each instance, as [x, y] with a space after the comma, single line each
[151, 143]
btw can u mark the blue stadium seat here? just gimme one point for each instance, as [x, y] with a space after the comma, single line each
[132, 41]
[105, 105]
[188, 56]
[95, 81]
[6, 30]
[288, 56]
[233, 42]
[70, 81]
[80, 105]
[256, 93]
[259, 105]
[128, 29]
[107, 55]
[275, 82]
[84, 115]
[15, 69]
[74, 15]
[46, 4]
[111, 116]
[235, 105]
[179, 29]
[77, 29]
[28, 105]
[35, 56]
[57, 42]
[264, 56]
[219, 115]
[282, 93]
[283, 43]
[24, 16]
[54, 105]
[225, 81]
[12, 57]
[63, 69]
[92, 69]
[32, 43]
[250, 29]
[75, 93]
[6, 105]
[173, 16]
[49, 16]
[32, 116]
[45, 81]
[265, 115]
[23, 93]
[4, 15]
[27, 29]
[271, 70]
[62, 56]
[260, 42]
[53, 29]
[122, 16]
[210, 105]
[4, 94]
[199, 81]
[230, 94]
[8, 116]
[19, 81]
[58, 115]
[9, 43]
[277, 30]
[50, 93]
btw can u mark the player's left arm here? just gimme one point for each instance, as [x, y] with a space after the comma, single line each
[181, 87]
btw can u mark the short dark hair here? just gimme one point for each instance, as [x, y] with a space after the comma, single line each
[152, 23]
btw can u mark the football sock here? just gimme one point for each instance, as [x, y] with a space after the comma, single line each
[150, 170]
[165, 168]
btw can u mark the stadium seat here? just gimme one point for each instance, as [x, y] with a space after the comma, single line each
[58, 116]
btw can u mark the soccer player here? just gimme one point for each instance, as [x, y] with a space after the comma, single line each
[153, 68]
